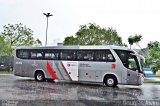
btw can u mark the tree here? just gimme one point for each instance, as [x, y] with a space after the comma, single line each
[93, 34]
[153, 59]
[134, 39]
[154, 44]
[70, 40]
[19, 35]
[5, 49]
[130, 41]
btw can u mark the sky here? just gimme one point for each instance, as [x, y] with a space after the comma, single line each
[127, 17]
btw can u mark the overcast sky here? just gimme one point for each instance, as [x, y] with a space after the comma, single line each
[128, 17]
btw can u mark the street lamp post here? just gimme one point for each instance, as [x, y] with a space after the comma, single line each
[47, 15]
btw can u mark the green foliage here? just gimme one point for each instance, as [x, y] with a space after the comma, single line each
[70, 40]
[19, 35]
[134, 39]
[155, 45]
[153, 59]
[130, 40]
[6, 72]
[13, 36]
[5, 49]
[148, 61]
[93, 34]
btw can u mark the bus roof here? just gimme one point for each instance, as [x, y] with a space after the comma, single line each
[79, 47]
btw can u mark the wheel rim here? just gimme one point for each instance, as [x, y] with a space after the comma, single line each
[110, 81]
[39, 77]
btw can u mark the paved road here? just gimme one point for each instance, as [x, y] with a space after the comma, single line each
[25, 91]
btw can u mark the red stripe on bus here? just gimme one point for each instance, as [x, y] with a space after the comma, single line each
[125, 78]
[51, 71]
[66, 71]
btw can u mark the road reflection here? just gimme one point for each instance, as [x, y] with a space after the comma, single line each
[25, 91]
[72, 91]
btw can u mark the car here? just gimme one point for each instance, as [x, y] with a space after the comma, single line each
[4, 67]
[148, 72]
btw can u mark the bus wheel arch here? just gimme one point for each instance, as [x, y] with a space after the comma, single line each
[110, 80]
[39, 75]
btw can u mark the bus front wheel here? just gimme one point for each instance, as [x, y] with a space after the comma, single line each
[39, 76]
[110, 81]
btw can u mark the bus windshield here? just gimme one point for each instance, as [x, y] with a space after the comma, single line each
[142, 62]
[129, 60]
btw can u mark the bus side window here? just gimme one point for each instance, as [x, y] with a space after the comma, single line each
[104, 55]
[47, 56]
[36, 54]
[50, 56]
[85, 58]
[80, 55]
[67, 55]
[123, 57]
[89, 56]
[99, 56]
[39, 56]
[110, 57]
[85, 55]
[33, 55]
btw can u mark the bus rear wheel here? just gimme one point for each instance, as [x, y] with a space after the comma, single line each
[39, 76]
[110, 81]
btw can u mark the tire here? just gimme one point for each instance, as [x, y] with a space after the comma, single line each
[39, 76]
[110, 81]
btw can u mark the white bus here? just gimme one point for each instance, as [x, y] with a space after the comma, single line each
[110, 65]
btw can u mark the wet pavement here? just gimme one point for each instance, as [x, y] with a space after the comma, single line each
[17, 91]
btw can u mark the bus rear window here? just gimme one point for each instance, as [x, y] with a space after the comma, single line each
[23, 54]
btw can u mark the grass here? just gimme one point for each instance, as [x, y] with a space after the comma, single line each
[5, 72]
[151, 81]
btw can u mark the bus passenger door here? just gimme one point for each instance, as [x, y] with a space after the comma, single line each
[132, 71]
[132, 77]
